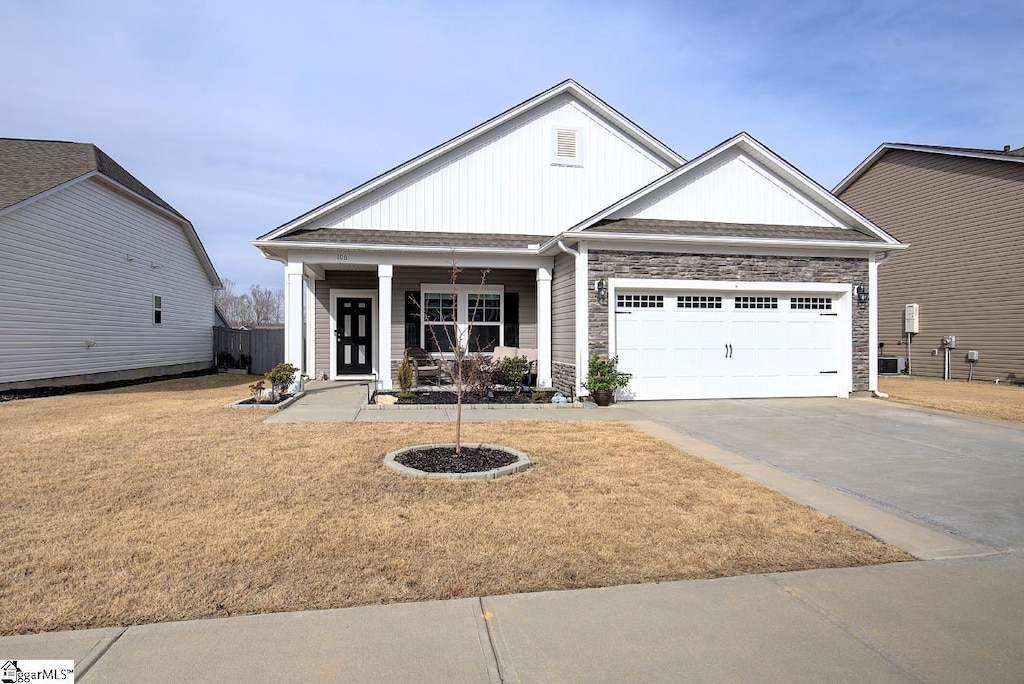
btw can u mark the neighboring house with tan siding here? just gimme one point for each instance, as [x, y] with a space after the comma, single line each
[729, 275]
[102, 279]
[962, 213]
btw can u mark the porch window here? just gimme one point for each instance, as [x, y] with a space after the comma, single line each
[485, 315]
[439, 311]
[477, 315]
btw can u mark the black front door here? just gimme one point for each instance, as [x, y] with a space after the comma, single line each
[355, 336]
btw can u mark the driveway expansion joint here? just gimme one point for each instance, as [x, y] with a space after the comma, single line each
[849, 630]
[95, 653]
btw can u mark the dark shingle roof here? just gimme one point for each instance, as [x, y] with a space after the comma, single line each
[30, 167]
[1019, 152]
[738, 230]
[412, 238]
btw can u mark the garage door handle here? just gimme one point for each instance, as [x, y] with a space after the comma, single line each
[728, 351]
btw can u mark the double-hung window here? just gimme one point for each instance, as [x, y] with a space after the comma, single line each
[470, 317]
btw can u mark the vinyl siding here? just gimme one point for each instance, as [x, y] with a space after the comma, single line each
[84, 264]
[505, 182]
[734, 189]
[563, 310]
[335, 280]
[411, 278]
[964, 221]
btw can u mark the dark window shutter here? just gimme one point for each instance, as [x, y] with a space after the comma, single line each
[412, 318]
[511, 319]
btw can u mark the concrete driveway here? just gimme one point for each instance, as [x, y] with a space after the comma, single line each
[963, 474]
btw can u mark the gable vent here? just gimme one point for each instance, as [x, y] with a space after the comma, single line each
[566, 147]
[566, 144]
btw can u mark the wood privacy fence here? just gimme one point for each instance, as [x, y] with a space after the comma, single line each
[263, 348]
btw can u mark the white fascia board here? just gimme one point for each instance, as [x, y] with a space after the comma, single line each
[190, 231]
[952, 152]
[342, 257]
[748, 245]
[646, 139]
[378, 248]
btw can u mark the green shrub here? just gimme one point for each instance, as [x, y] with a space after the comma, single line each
[281, 377]
[405, 376]
[512, 369]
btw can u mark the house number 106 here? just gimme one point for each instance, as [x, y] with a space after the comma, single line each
[343, 257]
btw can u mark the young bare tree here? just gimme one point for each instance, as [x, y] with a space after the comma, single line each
[461, 365]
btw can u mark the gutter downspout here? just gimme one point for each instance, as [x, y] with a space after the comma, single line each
[576, 313]
[878, 262]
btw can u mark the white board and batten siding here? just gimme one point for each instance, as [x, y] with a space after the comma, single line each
[734, 189]
[81, 268]
[509, 181]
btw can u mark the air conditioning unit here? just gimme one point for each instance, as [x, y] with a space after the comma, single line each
[892, 365]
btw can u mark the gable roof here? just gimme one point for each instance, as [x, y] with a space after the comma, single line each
[1004, 155]
[747, 143]
[29, 168]
[645, 139]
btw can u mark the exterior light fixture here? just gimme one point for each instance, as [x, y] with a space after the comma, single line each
[602, 291]
[862, 294]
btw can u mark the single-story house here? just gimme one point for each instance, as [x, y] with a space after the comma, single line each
[962, 213]
[103, 280]
[729, 275]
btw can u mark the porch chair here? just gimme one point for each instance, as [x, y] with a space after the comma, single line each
[424, 365]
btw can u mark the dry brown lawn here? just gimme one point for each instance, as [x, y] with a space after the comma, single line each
[984, 399]
[155, 503]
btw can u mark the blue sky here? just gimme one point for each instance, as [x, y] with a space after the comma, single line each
[244, 115]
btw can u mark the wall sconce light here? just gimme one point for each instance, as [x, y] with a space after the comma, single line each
[601, 287]
[862, 294]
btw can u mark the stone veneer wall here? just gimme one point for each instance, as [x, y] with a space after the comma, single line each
[658, 265]
[564, 377]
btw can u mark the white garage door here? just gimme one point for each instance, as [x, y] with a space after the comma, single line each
[689, 345]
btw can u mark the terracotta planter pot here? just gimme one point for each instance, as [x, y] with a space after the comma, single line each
[602, 397]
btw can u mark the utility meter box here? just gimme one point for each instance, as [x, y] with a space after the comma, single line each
[972, 356]
[949, 341]
[911, 314]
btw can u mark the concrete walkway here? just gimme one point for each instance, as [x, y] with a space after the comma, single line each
[952, 619]
[939, 621]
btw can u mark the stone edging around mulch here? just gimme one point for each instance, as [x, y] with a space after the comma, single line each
[240, 404]
[522, 463]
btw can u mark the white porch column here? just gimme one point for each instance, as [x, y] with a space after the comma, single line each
[293, 295]
[544, 327]
[384, 274]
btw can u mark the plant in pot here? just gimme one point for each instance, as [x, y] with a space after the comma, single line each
[604, 377]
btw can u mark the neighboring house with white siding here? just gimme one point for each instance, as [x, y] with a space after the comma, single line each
[961, 211]
[102, 279]
[730, 275]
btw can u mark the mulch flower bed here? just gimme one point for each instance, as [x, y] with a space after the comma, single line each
[448, 397]
[443, 459]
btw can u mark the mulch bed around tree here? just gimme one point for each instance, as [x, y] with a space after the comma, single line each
[448, 397]
[444, 460]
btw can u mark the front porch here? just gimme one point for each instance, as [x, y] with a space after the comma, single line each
[353, 321]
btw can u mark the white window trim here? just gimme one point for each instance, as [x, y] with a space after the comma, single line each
[462, 294]
[158, 308]
[566, 161]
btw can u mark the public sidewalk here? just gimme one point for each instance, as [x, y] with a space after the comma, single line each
[955, 620]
